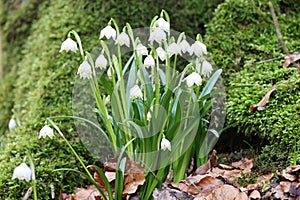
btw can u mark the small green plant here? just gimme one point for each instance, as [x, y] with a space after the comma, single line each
[246, 179]
[144, 106]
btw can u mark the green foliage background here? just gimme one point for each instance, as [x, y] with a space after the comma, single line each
[39, 80]
[241, 33]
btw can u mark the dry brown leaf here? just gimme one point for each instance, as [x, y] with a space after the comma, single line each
[205, 185]
[134, 177]
[241, 196]
[227, 167]
[285, 186]
[252, 187]
[265, 178]
[181, 186]
[254, 195]
[111, 176]
[289, 59]
[288, 176]
[263, 102]
[294, 170]
[226, 192]
[89, 193]
[245, 164]
[278, 193]
[203, 169]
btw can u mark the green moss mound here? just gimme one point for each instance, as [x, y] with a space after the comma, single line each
[241, 33]
[39, 80]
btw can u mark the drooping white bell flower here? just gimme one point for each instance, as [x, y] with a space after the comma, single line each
[68, 45]
[101, 62]
[162, 24]
[193, 79]
[157, 35]
[165, 144]
[107, 100]
[173, 49]
[141, 50]
[148, 117]
[85, 70]
[198, 48]
[136, 92]
[46, 131]
[122, 39]
[108, 32]
[185, 46]
[110, 71]
[149, 61]
[12, 124]
[161, 53]
[206, 69]
[22, 172]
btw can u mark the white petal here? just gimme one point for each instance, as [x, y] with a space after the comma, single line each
[108, 32]
[68, 45]
[185, 46]
[157, 35]
[110, 71]
[85, 70]
[12, 124]
[101, 62]
[206, 68]
[198, 49]
[149, 61]
[165, 144]
[141, 50]
[161, 53]
[122, 39]
[173, 49]
[22, 172]
[46, 131]
[163, 24]
[136, 92]
[193, 79]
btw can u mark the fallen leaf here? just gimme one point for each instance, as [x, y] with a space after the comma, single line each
[205, 185]
[89, 193]
[285, 186]
[263, 102]
[254, 195]
[227, 167]
[226, 192]
[288, 176]
[241, 196]
[203, 168]
[294, 170]
[245, 164]
[278, 193]
[289, 59]
[265, 178]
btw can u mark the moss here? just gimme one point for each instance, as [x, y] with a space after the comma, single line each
[241, 33]
[40, 82]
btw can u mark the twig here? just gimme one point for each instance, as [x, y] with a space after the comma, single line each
[28, 193]
[276, 58]
[279, 36]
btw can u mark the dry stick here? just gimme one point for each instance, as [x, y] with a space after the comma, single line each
[279, 36]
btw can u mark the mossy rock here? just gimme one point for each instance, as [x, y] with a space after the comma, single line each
[240, 34]
[39, 80]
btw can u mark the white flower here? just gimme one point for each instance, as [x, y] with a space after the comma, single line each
[165, 144]
[108, 32]
[149, 116]
[193, 79]
[141, 50]
[149, 61]
[22, 172]
[206, 68]
[68, 45]
[162, 24]
[106, 100]
[136, 92]
[12, 124]
[122, 39]
[161, 53]
[185, 46]
[198, 49]
[101, 62]
[173, 48]
[46, 131]
[157, 35]
[110, 71]
[85, 70]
